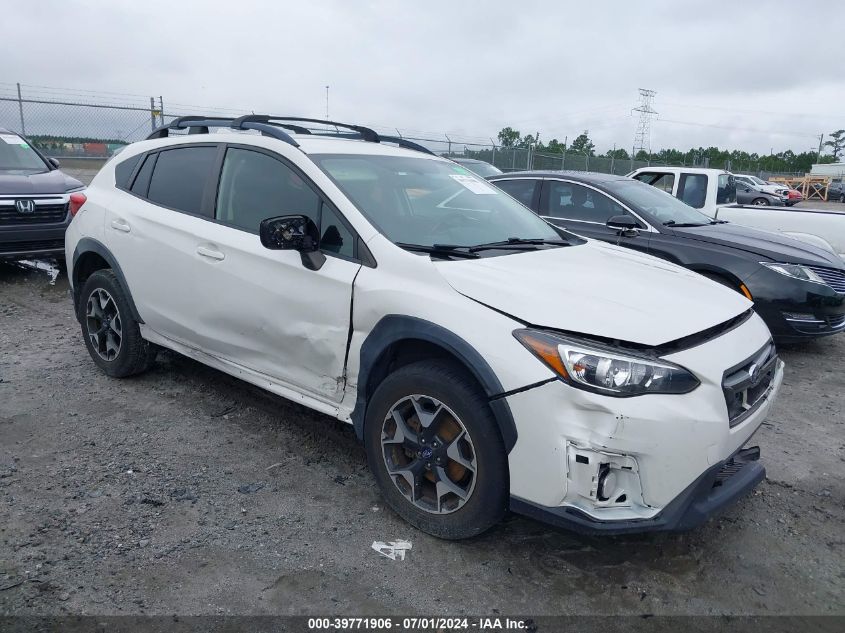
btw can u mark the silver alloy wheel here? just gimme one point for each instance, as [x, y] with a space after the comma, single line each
[102, 320]
[759, 202]
[429, 454]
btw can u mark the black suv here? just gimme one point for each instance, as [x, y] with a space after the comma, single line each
[797, 288]
[35, 200]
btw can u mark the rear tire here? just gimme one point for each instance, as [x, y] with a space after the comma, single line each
[435, 450]
[111, 334]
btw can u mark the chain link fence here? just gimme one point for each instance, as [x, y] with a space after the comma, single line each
[73, 127]
[76, 124]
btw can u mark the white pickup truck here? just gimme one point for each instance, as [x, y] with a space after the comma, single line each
[713, 191]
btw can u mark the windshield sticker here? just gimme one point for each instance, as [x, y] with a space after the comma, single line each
[460, 170]
[13, 139]
[474, 185]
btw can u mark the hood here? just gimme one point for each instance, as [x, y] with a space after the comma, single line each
[761, 244]
[597, 289]
[30, 184]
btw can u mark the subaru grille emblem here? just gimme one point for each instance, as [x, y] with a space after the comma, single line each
[25, 206]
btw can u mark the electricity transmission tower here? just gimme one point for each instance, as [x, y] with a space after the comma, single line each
[642, 137]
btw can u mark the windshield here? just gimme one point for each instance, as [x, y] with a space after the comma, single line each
[481, 168]
[758, 181]
[426, 202]
[662, 207]
[17, 155]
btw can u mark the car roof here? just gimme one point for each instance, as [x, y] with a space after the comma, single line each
[459, 159]
[676, 168]
[580, 176]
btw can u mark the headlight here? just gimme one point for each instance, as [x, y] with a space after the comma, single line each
[602, 369]
[796, 271]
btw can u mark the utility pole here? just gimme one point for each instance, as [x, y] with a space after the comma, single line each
[20, 110]
[821, 144]
[642, 137]
[327, 103]
[563, 160]
[152, 113]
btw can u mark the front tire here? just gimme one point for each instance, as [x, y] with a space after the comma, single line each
[111, 334]
[435, 450]
[759, 202]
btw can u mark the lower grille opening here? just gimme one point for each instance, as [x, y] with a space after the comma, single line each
[747, 384]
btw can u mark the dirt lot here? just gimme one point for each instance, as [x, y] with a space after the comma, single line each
[187, 491]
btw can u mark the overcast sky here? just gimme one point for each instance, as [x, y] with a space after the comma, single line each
[749, 75]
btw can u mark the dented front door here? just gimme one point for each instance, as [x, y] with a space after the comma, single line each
[264, 310]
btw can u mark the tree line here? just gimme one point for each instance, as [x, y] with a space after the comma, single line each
[786, 161]
[43, 141]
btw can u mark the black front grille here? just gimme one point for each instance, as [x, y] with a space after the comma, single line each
[832, 277]
[42, 214]
[31, 247]
[746, 385]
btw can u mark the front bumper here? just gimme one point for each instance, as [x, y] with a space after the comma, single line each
[716, 489]
[33, 240]
[642, 463]
[795, 309]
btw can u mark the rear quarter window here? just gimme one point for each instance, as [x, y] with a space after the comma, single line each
[123, 171]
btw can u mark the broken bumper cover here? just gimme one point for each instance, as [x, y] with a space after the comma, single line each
[716, 489]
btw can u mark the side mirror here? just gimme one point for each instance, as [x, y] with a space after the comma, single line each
[53, 162]
[624, 225]
[293, 233]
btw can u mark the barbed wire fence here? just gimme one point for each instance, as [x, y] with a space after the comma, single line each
[68, 123]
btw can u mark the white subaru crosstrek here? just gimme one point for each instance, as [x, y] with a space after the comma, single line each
[486, 359]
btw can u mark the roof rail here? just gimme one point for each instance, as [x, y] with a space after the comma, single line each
[275, 126]
[403, 142]
[366, 133]
[200, 125]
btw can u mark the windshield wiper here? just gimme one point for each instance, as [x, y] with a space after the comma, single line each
[683, 224]
[518, 244]
[439, 250]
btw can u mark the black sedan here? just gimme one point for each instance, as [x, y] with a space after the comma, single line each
[797, 288]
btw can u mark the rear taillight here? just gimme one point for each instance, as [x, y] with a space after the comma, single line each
[76, 202]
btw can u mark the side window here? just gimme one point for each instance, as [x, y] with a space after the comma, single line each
[123, 171]
[522, 190]
[665, 182]
[255, 186]
[570, 201]
[142, 180]
[180, 177]
[692, 189]
[334, 236]
[726, 193]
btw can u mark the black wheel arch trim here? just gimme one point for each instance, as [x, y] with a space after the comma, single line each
[90, 245]
[394, 328]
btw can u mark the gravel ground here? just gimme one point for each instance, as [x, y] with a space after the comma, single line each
[187, 491]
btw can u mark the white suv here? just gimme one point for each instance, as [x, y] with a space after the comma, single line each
[486, 359]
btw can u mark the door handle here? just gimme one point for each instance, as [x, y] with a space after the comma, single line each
[210, 253]
[120, 225]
